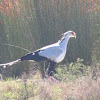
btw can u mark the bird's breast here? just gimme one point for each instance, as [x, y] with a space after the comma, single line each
[60, 57]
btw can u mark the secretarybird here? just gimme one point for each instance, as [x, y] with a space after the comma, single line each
[53, 53]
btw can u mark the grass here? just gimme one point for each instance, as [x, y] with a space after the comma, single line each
[33, 87]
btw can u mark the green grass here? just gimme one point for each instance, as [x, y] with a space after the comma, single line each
[33, 87]
[76, 82]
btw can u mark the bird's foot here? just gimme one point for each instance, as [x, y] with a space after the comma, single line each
[52, 80]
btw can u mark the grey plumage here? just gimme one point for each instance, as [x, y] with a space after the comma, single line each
[53, 53]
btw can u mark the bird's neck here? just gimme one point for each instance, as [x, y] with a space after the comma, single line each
[64, 41]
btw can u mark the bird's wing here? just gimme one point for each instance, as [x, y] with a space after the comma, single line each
[51, 52]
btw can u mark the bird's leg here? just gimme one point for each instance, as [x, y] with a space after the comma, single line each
[51, 71]
[47, 69]
[51, 68]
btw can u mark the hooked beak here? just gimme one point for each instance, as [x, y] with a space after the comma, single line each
[75, 35]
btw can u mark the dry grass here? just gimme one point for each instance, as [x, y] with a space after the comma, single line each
[35, 88]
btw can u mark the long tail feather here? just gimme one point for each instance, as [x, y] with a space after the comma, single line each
[10, 63]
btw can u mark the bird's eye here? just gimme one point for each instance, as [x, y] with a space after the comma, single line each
[73, 33]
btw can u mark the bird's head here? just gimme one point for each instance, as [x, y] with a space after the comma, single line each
[67, 35]
[70, 34]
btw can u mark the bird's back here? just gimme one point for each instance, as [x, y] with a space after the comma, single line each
[53, 52]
